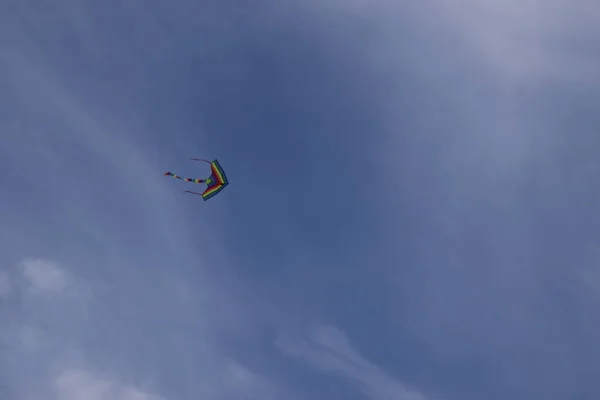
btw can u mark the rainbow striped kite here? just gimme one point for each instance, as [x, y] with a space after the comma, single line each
[215, 183]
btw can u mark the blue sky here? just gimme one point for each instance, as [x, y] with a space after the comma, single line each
[412, 215]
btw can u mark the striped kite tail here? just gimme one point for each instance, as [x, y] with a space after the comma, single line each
[192, 180]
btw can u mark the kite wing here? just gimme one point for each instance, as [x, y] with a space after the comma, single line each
[218, 173]
[217, 181]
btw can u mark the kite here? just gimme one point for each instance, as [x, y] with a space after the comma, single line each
[215, 183]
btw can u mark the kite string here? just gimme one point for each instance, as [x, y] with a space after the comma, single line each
[200, 159]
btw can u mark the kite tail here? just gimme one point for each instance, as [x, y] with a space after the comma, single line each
[192, 180]
[200, 159]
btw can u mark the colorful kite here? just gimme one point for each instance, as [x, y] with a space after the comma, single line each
[215, 183]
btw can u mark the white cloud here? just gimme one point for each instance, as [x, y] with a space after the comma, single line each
[238, 375]
[54, 342]
[476, 65]
[44, 276]
[76, 384]
[44, 360]
[243, 383]
[529, 38]
[330, 350]
[516, 39]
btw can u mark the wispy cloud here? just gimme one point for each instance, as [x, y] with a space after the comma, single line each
[44, 276]
[75, 384]
[530, 40]
[46, 355]
[40, 341]
[329, 349]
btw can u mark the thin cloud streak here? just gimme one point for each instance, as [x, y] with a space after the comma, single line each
[329, 349]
